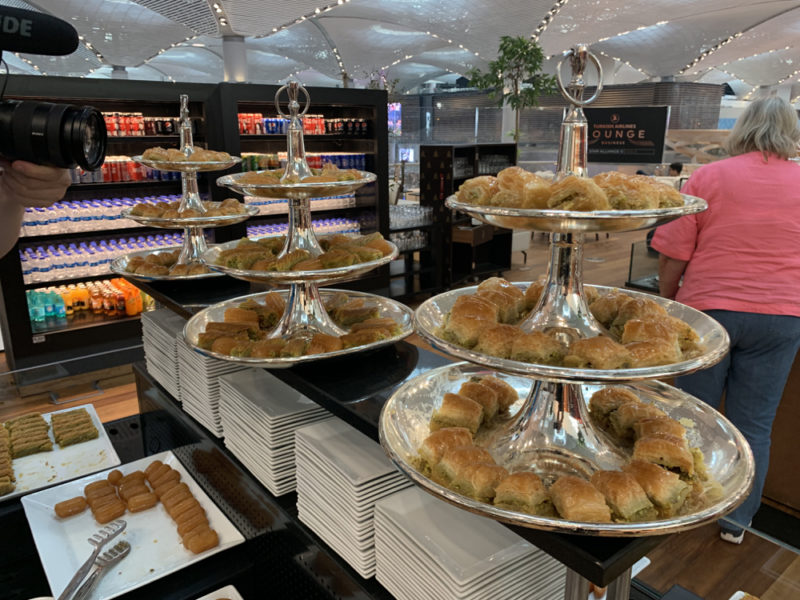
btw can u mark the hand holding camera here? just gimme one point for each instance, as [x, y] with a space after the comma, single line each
[28, 184]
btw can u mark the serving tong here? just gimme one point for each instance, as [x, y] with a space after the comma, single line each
[106, 560]
[98, 540]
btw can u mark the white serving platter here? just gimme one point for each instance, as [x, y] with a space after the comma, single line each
[38, 471]
[227, 593]
[156, 549]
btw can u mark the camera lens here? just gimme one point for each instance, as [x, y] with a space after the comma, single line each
[61, 135]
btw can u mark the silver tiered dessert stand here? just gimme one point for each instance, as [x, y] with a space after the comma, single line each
[305, 312]
[194, 242]
[550, 431]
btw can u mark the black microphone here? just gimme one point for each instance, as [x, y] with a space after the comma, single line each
[35, 33]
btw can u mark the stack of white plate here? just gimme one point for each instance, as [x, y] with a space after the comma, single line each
[160, 332]
[426, 548]
[341, 474]
[260, 415]
[200, 385]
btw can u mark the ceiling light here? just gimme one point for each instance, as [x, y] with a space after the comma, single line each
[547, 19]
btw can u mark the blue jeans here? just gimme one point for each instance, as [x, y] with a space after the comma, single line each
[752, 375]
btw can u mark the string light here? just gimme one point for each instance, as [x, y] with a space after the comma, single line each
[711, 50]
[628, 32]
[757, 54]
[309, 15]
[438, 37]
[625, 62]
[547, 19]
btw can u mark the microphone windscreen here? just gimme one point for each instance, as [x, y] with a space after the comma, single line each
[35, 33]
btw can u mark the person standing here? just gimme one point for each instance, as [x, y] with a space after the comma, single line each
[739, 264]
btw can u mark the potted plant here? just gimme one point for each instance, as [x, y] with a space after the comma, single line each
[515, 76]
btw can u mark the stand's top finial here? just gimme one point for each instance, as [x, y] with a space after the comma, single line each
[293, 89]
[579, 56]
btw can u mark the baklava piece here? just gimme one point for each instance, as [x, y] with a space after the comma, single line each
[506, 395]
[524, 491]
[576, 499]
[457, 411]
[437, 443]
[598, 352]
[538, 347]
[627, 499]
[665, 489]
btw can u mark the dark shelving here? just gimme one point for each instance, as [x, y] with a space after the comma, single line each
[124, 184]
[28, 240]
[412, 250]
[437, 182]
[80, 320]
[307, 136]
[28, 345]
[40, 284]
[146, 138]
[411, 228]
[416, 269]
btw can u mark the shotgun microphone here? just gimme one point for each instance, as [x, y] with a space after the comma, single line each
[35, 33]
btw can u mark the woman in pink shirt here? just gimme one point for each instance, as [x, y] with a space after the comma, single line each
[739, 263]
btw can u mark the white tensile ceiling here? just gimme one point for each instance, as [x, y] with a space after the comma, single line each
[742, 43]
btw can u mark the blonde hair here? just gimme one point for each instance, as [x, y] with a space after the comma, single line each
[768, 125]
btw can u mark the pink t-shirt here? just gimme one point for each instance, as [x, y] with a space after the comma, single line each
[744, 251]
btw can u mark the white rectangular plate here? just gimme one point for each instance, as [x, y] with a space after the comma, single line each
[227, 593]
[41, 470]
[156, 549]
[463, 544]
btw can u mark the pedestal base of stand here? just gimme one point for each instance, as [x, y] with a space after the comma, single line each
[305, 314]
[552, 435]
[578, 588]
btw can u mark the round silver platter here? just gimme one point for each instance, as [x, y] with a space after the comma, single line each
[188, 166]
[294, 190]
[201, 221]
[119, 266]
[404, 424]
[431, 314]
[320, 276]
[387, 308]
[571, 221]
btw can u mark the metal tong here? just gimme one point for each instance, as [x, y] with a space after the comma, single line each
[103, 562]
[98, 540]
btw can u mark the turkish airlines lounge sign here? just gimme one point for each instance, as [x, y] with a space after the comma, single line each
[627, 134]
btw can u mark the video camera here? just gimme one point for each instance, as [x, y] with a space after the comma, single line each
[60, 135]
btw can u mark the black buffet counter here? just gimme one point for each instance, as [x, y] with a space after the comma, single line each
[281, 557]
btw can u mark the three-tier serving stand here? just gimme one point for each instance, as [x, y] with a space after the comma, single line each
[550, 431]
[194, 241]
[305, 313]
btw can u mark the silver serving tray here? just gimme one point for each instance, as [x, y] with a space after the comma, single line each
[572, 221]
[201, 221]
[431, 314]
[320, 276]
[188, 166]
[119, 266]
[404, 424]
[294, 190]
[387, 307]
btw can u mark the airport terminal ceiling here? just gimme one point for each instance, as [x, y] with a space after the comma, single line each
[410, 42]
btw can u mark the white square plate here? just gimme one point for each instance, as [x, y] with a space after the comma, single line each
[227, 593]
[353, 454]
[156, 549]
[462, 544]
[41, 470]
